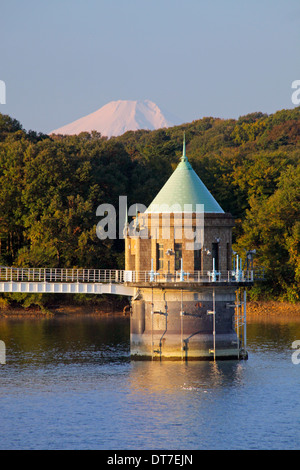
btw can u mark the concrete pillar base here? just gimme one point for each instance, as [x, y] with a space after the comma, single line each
[175, 347]
[180, 325]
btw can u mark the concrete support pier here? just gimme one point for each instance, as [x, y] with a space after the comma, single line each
[181, 324]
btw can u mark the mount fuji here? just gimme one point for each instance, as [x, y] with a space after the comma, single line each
[118, 117]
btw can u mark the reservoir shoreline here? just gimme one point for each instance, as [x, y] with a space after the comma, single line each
[254, 309]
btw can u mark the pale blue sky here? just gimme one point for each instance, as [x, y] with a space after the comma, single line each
[63, 59]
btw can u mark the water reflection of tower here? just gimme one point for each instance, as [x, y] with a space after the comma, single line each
[180, 260]
[171, 377]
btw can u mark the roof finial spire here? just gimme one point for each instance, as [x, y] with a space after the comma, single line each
[184, 157]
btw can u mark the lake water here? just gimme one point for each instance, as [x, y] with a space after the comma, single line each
[69, 383]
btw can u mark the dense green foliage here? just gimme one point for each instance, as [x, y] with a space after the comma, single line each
[50, 188]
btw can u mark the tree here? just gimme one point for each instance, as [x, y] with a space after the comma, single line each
[272, 227]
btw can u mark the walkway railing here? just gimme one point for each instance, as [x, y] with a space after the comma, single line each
[121, 276]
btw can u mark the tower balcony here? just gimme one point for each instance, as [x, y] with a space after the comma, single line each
[194, 279]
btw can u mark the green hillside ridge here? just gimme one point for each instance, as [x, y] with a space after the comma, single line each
[50, 188]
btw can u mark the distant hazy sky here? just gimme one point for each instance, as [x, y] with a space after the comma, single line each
[63, 59]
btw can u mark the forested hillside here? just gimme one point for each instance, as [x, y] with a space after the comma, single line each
[50, 188]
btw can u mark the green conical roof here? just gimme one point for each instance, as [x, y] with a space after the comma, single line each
[184, 192]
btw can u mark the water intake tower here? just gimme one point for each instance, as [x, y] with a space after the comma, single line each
[189, 302]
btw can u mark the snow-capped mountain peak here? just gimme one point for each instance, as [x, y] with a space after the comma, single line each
[117, 117]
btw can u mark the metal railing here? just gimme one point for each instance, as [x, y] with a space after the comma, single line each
[123, 276]
[60, 275]
[196, 276]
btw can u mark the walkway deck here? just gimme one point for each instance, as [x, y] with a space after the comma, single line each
[112, 281]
